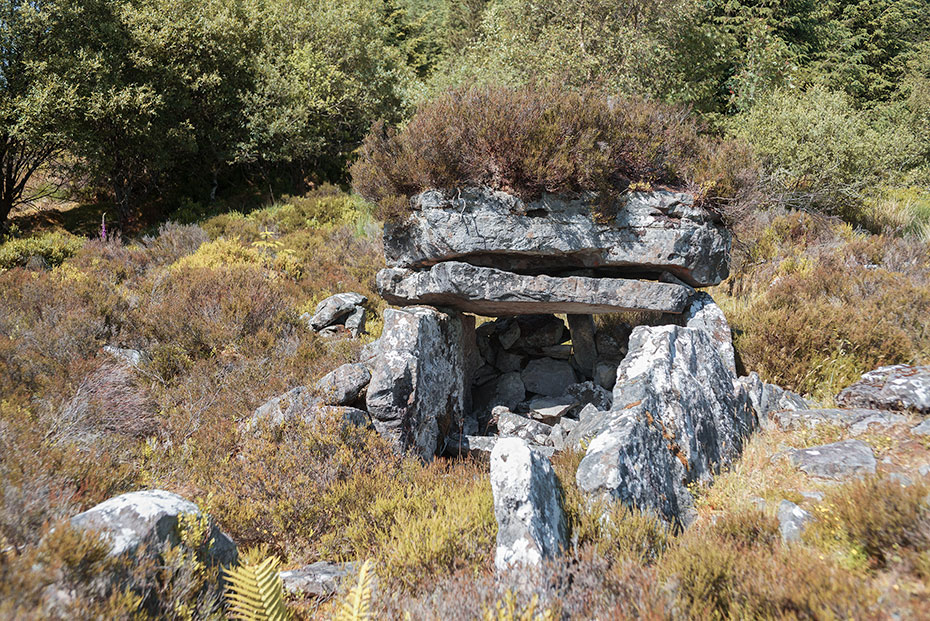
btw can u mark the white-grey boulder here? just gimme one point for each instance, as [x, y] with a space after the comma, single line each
[531, 526]
[334, 309]
[704, 314]
[792, 520]
[149, 517]
[898, 387]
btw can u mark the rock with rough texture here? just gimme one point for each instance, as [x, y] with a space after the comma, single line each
[678, 417]
[549, 410]
[769, 398]
[533, 332]
[704, 314]
[531, 526]
[512, 425]
[490, 291]
[320, 579]
[652, 232]
[584, 349]
[631, 462]
[149, 517]
[298, 402]
[792, 520]
[589, 392]
[898, 387]
[840, 460]
[335, 308]
[343, 385]
[856, 420]
[355, 322]
[545, 376]
[418, 388]
[506, 390]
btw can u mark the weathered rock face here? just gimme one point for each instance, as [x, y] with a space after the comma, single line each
[342, 386]
[298, 402]
[678, 417]
[418, 384]
[768, 398]
[704, 314]
[321, 579]
[149, 517]
[335, 308]
[652, 232]
[840, 460]
[530, 523]
[490, 291]
[792, 520]
[856, 420]
[548, 377]
[898, 387]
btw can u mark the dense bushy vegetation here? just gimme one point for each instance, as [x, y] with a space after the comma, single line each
[533, 140]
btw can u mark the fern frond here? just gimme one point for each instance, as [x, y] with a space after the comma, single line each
[255, 592]
[357, 605]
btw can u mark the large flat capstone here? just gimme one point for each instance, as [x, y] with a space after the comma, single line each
[490, 291]
[652, 232]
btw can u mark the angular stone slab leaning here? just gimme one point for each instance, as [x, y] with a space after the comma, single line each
[488, 291]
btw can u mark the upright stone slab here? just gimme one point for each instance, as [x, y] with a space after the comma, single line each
[651, 232]
[418, 386]
[584, 349]
[673, 390]
[530, 522]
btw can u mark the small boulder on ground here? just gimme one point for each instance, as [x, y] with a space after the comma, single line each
[792, 520]
[515, 425]
[839, 460]
[531, 526]
[335, 309]
[899, 387]
[149, 517]
[295, 403]
[321, 579]
[344, 385]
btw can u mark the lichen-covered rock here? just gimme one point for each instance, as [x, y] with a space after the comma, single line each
[149, 517]
[531, 526]
[343, 385]
[589, 392]
[768, 398]
[856, 420]
[335, 308]
[418, 385]
[491, 291]
[839, 460]
[678, 417]
[704, 314]
[898, 387]
[651, 231]
[517, 426]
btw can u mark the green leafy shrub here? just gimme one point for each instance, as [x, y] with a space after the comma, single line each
[53, 248]
[533, 140]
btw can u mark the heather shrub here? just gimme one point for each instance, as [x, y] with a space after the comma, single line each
[877, 516]
[53, 248]
[533, 140]
[813, 305]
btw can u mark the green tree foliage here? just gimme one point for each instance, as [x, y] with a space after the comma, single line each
[31, 102]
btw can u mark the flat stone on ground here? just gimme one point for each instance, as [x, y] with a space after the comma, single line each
[839, 460]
